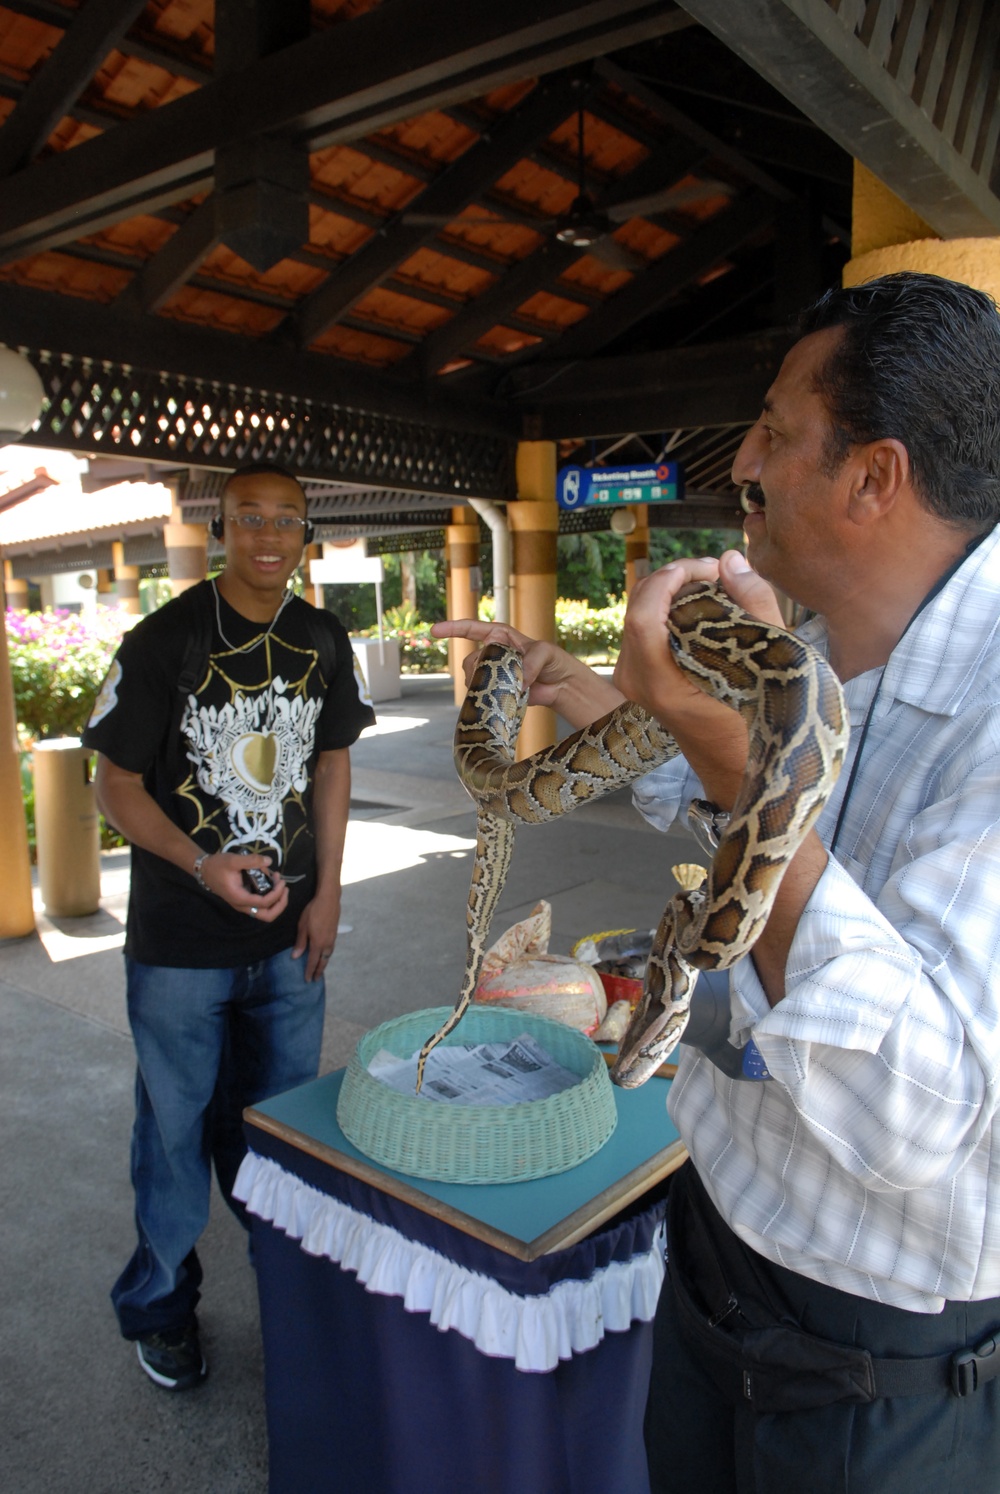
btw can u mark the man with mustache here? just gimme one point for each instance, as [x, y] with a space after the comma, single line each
[831, 1318]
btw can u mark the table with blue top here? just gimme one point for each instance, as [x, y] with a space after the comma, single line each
[424, 1338]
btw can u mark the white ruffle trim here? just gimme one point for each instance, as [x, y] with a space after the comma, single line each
[536, 1332]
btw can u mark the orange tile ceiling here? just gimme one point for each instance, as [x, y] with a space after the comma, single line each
[355, 188]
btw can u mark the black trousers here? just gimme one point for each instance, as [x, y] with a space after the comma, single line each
[699, 1442]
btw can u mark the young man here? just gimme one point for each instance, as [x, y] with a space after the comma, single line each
[223, 731]
[831, 1320]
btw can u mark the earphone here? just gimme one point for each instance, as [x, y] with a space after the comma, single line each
[217, 528]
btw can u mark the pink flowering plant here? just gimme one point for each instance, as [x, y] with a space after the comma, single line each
[57, 662]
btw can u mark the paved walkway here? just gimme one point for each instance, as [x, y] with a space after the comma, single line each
[77, 1416]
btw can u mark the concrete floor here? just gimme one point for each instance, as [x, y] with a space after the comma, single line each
[77, 1416]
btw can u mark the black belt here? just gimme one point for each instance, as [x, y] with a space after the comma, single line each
[779, 1366]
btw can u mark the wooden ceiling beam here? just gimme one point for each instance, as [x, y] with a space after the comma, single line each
[246, 30]
[91, 34]
[646, 293]
[262, 184]
[84, 113]
[790, 143]
[335, 86]
[160, 51]
[175, 263]
[717, 384]
[810, 54]
[41, 320]
[486, 160]
[147, 45]
[330, 202]
[450, 246]
[129, 206]
[681, 124]
[540, 269]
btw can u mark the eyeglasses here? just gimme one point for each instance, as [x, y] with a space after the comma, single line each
[284, 523]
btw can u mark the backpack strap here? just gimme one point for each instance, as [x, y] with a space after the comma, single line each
[324, 642]
[199, 644]
[195, 605]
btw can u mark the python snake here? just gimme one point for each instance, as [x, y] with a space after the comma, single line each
[798, 728]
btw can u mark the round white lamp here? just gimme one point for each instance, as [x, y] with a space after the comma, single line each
[22, 395]
[623, 521]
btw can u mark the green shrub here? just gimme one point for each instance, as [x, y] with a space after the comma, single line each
[593, 633]
[419, 652]
[57, 663]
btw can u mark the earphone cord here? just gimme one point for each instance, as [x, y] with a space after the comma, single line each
[247, 648]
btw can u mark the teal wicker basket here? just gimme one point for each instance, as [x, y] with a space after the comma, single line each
[478, 1143]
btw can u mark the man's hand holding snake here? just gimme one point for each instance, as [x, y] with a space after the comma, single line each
[710, 735]
[776, 768]
[553, 677]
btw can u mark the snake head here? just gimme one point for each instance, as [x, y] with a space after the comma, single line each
[657, 1023]
[639, 1060]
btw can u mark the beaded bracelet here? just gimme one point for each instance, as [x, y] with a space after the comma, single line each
[197, 870]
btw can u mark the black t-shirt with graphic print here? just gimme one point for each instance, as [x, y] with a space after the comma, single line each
[241, 776]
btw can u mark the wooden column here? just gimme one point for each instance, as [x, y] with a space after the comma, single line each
[462, 587]
[887, 236]
[17, 917]
[637, 547]
[187, 552]
[126, 580]
[16, 589]
[534, 526]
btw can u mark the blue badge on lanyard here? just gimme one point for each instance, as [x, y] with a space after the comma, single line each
[754, 1066]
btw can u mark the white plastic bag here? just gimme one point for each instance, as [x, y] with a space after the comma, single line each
[519, 972]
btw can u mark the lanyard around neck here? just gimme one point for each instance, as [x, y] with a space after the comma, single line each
[938, 587]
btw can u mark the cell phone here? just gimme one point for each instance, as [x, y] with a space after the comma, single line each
[257, 881]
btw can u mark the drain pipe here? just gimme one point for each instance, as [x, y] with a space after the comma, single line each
[496, 518]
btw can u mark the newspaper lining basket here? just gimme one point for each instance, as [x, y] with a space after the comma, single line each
[448, 1143]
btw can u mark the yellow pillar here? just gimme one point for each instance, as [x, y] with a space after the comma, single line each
[637, 547]
[534, 526]
[16, 588]
[126, 580]
[887, 236]
[67, 832]
[462, 586]
[187, 552]
[17, 916]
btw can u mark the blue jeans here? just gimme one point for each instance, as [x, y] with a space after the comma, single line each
[208, 1043]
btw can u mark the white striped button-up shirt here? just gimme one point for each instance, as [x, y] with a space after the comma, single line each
[871, 1159]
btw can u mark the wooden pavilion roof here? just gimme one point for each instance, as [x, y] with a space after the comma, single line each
[366, 222]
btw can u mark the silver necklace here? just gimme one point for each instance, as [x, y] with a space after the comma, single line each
[247, 648]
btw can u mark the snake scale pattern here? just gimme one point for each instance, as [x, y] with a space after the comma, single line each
[798, 730]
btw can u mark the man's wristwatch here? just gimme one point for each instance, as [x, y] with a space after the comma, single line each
[708, 823]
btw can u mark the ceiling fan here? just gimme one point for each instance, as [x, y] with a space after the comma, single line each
[585, 225]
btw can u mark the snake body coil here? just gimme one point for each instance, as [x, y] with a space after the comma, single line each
[798, 729]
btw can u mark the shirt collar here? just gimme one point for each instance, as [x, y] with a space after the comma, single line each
[935, 662]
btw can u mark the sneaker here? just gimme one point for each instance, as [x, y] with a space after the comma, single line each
[173, 1359]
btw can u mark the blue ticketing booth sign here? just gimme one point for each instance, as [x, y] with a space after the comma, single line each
[598, 487]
